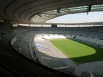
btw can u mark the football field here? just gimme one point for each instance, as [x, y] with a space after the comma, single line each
[79, 52]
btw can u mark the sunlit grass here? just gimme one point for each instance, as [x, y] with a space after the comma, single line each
[78, 51]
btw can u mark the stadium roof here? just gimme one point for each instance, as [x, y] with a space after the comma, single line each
[39, 11]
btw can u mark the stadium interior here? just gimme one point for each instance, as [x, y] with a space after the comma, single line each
[29, 47]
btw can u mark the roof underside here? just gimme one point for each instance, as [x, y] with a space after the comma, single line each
[39, 11]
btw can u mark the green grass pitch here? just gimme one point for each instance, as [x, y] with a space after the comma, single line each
[78, 51]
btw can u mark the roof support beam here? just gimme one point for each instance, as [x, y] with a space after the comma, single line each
[89, 9]
[58, 10]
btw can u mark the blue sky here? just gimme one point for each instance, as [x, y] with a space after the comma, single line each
[78, 18]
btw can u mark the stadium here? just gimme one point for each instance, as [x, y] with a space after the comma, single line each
[32, 47]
